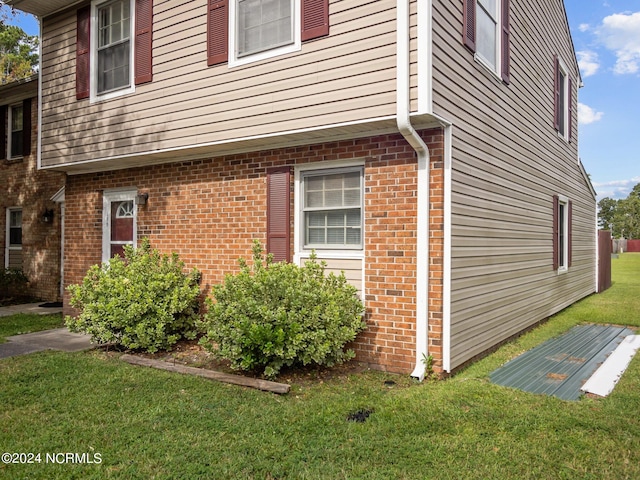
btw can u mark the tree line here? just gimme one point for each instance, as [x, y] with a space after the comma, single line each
[18, 51]
[621, 217]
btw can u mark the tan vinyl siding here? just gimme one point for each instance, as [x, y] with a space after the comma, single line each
[352, 269]
[347, 76]
[15, 259]
[507, 164]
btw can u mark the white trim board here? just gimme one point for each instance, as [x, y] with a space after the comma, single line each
[604, 379]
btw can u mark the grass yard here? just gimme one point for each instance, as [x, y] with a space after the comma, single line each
[147, 424]
[28, 323]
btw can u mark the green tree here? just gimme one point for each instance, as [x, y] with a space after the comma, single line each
[18, 57]
[622, 217]
[606, 211]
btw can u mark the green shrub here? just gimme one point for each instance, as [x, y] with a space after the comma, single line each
[13, 283]
[277, 314]
[144, 301]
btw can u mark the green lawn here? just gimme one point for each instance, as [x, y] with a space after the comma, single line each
[27, 323]
[149, 424]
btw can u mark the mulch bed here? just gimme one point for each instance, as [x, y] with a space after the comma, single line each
[191, 354]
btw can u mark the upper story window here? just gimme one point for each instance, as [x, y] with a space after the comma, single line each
[486, 32]
[243, 31]
[114, 48]
[263, 25]
[332, 208]
[563, 107]
[16, 139]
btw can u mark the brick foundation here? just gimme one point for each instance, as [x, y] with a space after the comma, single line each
[210, 211]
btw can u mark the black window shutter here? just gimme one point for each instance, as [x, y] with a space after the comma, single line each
[26, 127]
[217, 31]
[83, 43]
[506, 54]
[144, 42]
[278, 213]
[315, 19]
[556, 232]
[3, 132]
[469, 24]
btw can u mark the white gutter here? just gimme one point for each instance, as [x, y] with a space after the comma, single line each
[422, 235]
[39, 137]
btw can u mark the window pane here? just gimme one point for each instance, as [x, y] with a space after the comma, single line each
[263, 24]
[561, 234]
[113, 46]
[15, 218]
[15, 236]
[335, 218]
[16, 144]
[15, 227]
[335, 236]
[340, 220]
[353, 236]
[486, 36]
[113, 67]
[353, 218]
[16, 118]
[315, 236]
[489, 6]
[316, 219]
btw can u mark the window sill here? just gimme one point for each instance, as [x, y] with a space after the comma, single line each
[488, 67]
[563, 270]
[264, 54]
[95, 98]
[14, 160]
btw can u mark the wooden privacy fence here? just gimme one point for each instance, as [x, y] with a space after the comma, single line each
[604, 260]
[633, 245]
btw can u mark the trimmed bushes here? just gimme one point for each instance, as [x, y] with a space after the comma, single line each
[142, 302]
[13, 283]
[272, 315]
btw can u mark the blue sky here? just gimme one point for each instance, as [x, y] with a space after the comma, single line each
[606, 37]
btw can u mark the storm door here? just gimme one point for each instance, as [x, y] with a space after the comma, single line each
[119, 222]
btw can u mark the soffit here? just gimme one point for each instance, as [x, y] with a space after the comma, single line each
[42, 8]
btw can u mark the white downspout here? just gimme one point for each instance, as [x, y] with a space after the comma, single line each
[406, 129]
[39, 136]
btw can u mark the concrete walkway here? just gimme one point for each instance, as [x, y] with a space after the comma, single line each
[28, 308]
[57, 339]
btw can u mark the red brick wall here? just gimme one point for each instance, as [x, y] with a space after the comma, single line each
[210, 211]
[22, 185]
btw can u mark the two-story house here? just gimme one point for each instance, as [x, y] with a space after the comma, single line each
[427, 148]
[30, 220]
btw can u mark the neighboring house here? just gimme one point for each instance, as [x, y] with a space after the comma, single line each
[30, 221]
[427, 148]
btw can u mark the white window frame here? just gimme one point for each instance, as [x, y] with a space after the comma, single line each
[495, 69]
[324, 168]
[108, 197]
[94, 95]
[8, 245]
[10, 156]
[563, 72]
[563, 234]
[236, 60]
